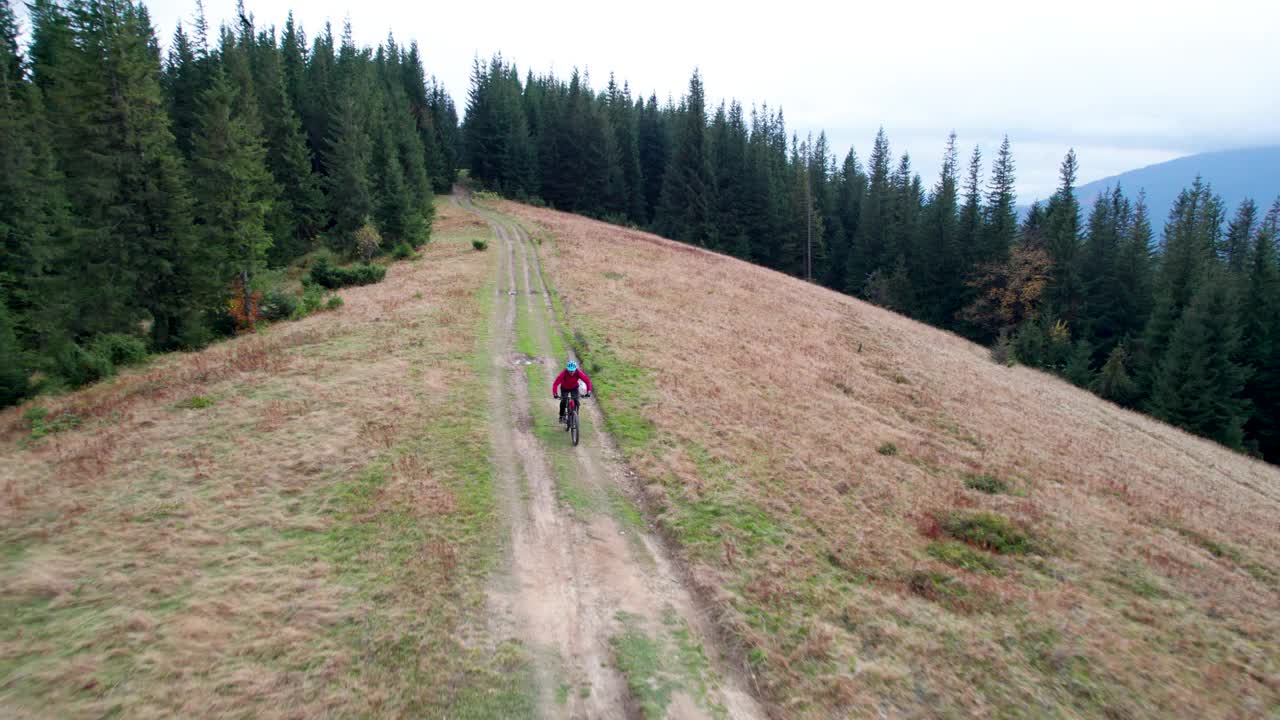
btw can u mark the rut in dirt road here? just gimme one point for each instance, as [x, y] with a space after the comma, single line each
[613, 632]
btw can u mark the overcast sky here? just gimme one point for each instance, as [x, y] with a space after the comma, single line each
[1126, 82]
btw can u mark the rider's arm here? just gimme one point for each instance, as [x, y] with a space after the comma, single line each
[586, 380]
[555, 386]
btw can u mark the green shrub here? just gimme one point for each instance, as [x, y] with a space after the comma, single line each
[311, 301]
[887, 449]
[368, 242]
[990, 531]
[335, 302]
[325, 274]
[219, 323]
[278, 305]
[196, 402]
[936, 586]
[119, 349]
[402, 251]
[959, 555]
[1003, 352]
[479, 244]
[14, 383]
[14, 376]
[79, 367]
[988, 484]
[41, 424]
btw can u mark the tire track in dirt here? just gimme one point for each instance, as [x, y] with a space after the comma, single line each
[580, 577]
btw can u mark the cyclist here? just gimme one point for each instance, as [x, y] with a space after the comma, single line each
[568, 381]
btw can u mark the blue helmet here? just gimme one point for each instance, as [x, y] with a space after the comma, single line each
[571, 366]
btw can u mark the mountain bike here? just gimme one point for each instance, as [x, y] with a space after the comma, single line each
[570, 418]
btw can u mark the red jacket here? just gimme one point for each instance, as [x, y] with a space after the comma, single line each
[570, 381]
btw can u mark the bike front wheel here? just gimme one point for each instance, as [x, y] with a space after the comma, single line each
[573, 428]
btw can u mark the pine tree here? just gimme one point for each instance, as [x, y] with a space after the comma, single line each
[183, 80]
[1079, 368]
[232, 189]
[1113, 381]
[1000, 221]
[822, 171]
[1235, 249]
[13, 367]
[35, 225]
[968, 239]
[941, 282]
[137, 260]
[1198, 381]
[729, 156]
[298, 212]
[870, 248]
[346, 163]
[1260, 352]
[394, 208]
[850, 187]
[688, 199]
[321, 101]
[444, 127]
[1065, 292]
[653, 155]
[1108, 262]
[1190, 242]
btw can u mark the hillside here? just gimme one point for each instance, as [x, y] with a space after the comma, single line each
[890, 523]
[786, 503]
[297, 523]
[1235, 175]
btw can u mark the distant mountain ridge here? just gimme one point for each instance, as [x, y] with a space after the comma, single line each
[1252, 172]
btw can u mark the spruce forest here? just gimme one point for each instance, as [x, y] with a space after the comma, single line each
[150, 197]
[1183, 323]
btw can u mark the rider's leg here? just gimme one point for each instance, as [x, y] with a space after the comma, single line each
[564, 400]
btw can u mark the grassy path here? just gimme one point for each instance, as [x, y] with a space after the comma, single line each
[613, 631]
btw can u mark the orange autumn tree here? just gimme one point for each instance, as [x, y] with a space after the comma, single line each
[1008, 293]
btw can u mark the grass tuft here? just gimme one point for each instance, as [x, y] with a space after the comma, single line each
[195, 402]
[957, 554]
[988, 484]
[638, 659]
[42, 424]
[989, 531]
[888, 449]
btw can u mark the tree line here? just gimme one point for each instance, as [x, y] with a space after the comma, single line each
[1183, 324]
[142, 195]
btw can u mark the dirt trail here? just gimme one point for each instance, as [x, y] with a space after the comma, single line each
[613, 631]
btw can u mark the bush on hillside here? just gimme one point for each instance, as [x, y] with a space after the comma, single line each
[957, 554]
[13, 371]
[988, 484]
[41, 424]
[119, 349]
[402, 251]
[368, 242]
[480, 244]
[277, 305]
[325, 274]
[79, 367]
[990, 532]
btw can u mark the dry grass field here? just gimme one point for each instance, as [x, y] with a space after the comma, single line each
[891, 525]
[293, 524]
